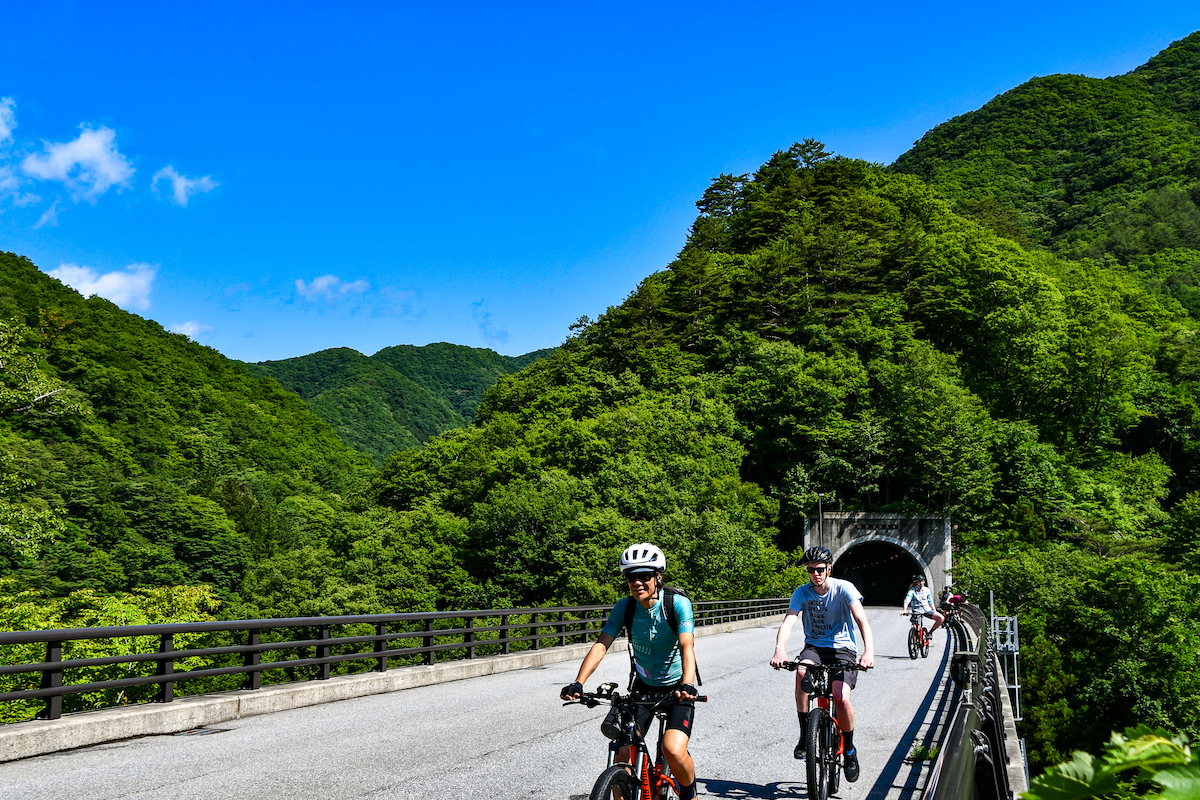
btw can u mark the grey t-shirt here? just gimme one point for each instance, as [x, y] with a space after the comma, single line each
[827, 618]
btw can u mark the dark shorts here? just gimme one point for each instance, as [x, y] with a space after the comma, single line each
[680, 713]
[833, 655]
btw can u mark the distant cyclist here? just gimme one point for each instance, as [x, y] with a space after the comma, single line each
[828, 605]
[663, 658]
[920, 599]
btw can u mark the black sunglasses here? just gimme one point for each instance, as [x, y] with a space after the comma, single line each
[817, 570]
[634, 577]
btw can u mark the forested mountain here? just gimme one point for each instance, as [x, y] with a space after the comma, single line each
[1087, 167]
[397, 398]
[458, 374]
[956, 346]
[157, 461]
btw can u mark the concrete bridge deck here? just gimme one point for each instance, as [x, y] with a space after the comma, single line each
[507, 736]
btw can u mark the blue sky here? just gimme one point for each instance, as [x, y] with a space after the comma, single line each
[275, 179]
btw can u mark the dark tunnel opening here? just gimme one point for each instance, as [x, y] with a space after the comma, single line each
[881, 571]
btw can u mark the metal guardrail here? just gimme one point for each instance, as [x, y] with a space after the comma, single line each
[973, 760]
[422, 638]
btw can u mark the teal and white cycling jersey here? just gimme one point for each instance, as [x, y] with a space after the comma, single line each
[655, 646]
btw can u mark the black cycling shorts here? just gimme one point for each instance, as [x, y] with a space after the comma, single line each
[833, 655]
[680, 713]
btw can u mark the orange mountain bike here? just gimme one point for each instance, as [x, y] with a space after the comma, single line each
[645, 778]
[823, 748]
[919, 637]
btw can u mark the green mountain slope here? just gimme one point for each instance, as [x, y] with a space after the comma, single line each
[168, 465]
[458, 374]
[397, 398]
[1087, 167]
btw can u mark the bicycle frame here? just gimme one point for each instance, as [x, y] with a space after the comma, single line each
[651, 780]
[822, 693]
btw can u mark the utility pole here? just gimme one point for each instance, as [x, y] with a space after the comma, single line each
[820, 521]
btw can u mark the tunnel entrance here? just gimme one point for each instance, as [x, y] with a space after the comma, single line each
[881, 571]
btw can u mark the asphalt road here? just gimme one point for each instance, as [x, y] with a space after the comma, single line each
[508, 736]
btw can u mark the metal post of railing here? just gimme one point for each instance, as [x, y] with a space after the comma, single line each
[469, 636]
[253, 659]
[323, 653]
[381, 630]
[504, 633]
[166, 666]
[429, 657]
[52, 679]
[562, 629]
[533, 630]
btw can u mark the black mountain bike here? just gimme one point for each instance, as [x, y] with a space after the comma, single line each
[645, 778]
[823, 759]
[918, 637]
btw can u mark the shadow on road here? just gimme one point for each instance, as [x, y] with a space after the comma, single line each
[735, 790]
[888, 777]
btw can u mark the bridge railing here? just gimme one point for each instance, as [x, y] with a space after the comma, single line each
[973, 758]
[99, 667]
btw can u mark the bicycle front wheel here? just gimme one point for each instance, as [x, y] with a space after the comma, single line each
[615, 783]
[817, 761]
[913, 644]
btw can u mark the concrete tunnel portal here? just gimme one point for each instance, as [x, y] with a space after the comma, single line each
[880, 552]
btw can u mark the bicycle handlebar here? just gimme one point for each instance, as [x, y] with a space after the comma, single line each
[792, 666]
[593, 699]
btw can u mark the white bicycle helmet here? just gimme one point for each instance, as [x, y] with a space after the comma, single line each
[643, 556]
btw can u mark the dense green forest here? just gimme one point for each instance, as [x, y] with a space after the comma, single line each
[399, 397]
[966, 332]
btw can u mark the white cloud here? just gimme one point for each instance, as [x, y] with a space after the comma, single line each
[398, 302]
[8, 118]
[483, 321]
[331, 288]
[192, 329]
[49, 217]
[128, 289]
[183, 187]
[89, 165]
[9, 182]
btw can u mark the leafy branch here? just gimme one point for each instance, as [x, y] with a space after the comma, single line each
[1151, 755]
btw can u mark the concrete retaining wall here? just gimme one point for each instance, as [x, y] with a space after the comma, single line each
[85, 728]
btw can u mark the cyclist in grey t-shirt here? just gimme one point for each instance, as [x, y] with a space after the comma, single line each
[828, 605]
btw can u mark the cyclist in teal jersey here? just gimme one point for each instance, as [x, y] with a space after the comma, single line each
[664, 659]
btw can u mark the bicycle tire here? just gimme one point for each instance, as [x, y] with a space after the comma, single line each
[913, 644]
[925, 638]
[615, 783]
[835, 764]
[817, 759]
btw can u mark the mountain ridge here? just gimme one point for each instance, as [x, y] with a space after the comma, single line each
[397, 398]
